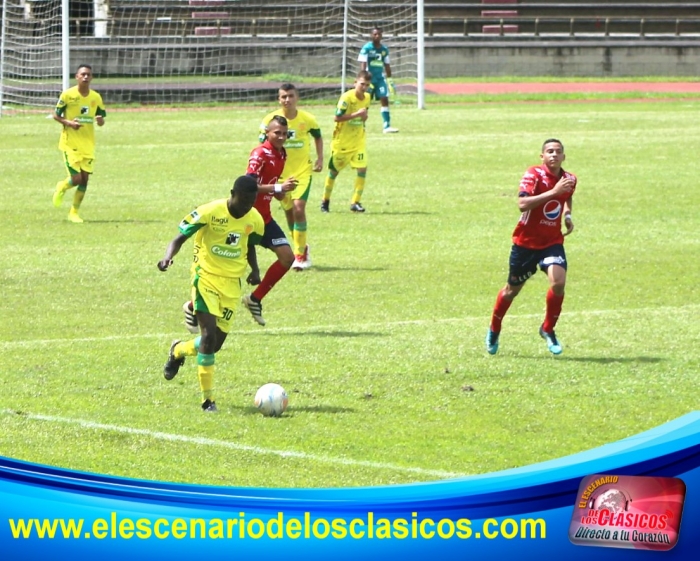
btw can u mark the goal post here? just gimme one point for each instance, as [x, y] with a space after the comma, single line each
[198, 51]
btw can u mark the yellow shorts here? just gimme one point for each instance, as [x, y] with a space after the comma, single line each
[357, 159]
[300, 192]
[218, 296]
[76, 161]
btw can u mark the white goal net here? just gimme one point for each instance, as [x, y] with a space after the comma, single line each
[199, 51]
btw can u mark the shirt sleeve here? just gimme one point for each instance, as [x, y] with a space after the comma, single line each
[528, 184]
[193, 222]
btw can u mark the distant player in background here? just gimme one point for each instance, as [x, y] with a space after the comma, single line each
[302, 128]
[223, 230]
[348, 144]
[78, 109]
[544, 198]
[265, 165]
[375, 57]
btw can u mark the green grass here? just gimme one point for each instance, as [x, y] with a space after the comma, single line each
[380, 344]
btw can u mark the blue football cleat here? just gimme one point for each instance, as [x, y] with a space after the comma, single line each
[492, 342]
[552, 343]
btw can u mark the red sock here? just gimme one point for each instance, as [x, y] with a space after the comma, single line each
[499, 310]
[553, 310]
[271, 278]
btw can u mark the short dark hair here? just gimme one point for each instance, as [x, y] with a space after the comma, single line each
[83, 66]
[287, 86]
[244, 184]
[282, 120]
[559, 142]
[366, 74]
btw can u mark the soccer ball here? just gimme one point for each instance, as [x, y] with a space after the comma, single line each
[271, 400]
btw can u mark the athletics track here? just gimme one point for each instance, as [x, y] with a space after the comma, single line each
[496, 88]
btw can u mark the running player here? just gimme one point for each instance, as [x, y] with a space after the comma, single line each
[78, 109]
[224, 228]
[545, 196]
[348, 144]
[375, 57]
[302, 128]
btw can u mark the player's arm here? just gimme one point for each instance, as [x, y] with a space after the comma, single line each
[528, 201]
[318, 141]
[59, 115]
[341, 116]
[171, 251]
[275, 188]
[254, 276]
[362, 59]
[100, 115]
[568, 223]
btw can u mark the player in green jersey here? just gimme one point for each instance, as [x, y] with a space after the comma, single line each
[78, 109]
[222, 230]
[375, 57]
[348, 144]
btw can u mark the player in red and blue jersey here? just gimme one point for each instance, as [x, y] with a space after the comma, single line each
[266, 164]
[544, 199]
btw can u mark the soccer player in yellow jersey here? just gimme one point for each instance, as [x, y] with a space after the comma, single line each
[78, 109]
[348, 144]
[303, 127]
[222, 230]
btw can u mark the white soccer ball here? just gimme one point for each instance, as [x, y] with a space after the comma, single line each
[271, 400]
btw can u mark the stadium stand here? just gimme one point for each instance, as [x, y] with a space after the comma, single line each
[568, 18]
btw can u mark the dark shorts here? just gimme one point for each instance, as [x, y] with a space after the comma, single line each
[523, 262]
[273, 236]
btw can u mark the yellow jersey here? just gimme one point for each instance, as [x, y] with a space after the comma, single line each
[72, 105]
[302, 129]
[221, 242]
[349, 136]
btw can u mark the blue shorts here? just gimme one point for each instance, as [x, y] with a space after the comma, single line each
[523, 262]
[273, 236]
[379, 89]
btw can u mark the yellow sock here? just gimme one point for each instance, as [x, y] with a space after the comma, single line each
[299, 238]
[359, 187]
[328, 187]
[78, 197]
[187, 348]
[205, 372]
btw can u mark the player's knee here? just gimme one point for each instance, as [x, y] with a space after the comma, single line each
[285, 255]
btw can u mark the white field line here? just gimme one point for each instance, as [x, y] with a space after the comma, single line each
[197, 440]
[359, 326]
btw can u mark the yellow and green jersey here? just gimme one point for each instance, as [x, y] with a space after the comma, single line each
[72, 104]
[349, 136]
[221, 242]
[302, 129]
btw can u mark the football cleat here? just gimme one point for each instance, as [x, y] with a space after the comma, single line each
[357, 207]
[552, 343]
[325, 206]
[299, 263]
[74, 217]
[209, 406]
[492, 342]
[191, 322]
[254, 307]
[390, 130]
[58, 195]
[172, 366]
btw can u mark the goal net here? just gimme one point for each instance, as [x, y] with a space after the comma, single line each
[199, 51]
[30, 54]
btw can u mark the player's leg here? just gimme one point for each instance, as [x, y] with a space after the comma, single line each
[275, 240]
[72, 164]
[78, 197]
[335, 164]
[522, 265]
[287, 205]
[553, 262]
[299, 237]
[359, 163]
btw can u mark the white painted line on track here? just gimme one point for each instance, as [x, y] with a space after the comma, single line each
[360, 326]
[198, 440]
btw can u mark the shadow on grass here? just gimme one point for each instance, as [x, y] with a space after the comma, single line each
[330, 409]
[600, 359]
[326, 269]
[328, 334]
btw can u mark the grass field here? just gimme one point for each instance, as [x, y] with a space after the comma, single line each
[380, 344]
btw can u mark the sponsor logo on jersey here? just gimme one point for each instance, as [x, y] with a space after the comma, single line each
[226, 252]
[233, 238]
[551, 210]
[553, 260]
